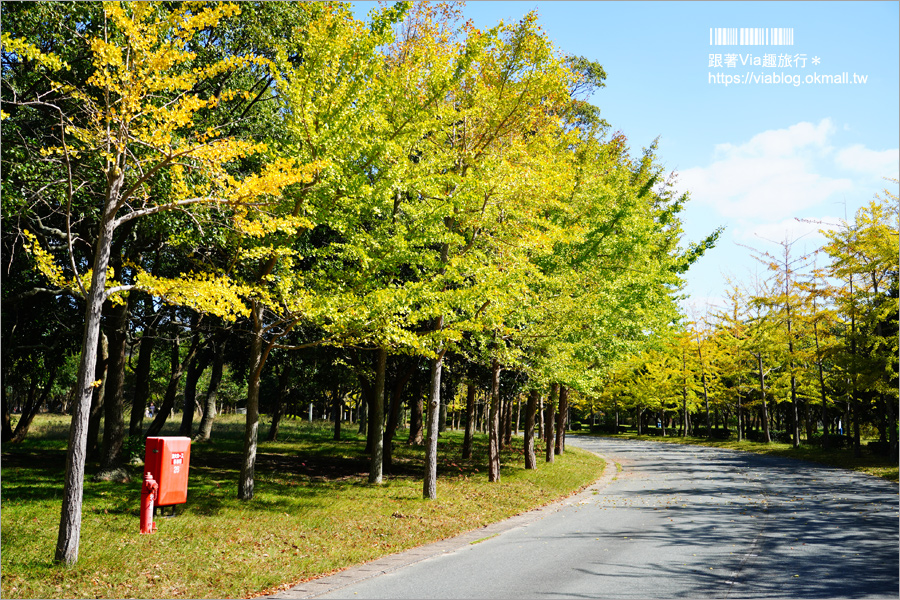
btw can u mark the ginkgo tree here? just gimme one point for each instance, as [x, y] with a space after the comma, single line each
[301, 256]
[864, 259]
[608, 284]
[731, 359]
[367, 100]
[510, 161]
[808, 344]
[413, 186]
[127, 127]
[469, 203]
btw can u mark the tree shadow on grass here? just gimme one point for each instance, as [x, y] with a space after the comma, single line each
[295, 467]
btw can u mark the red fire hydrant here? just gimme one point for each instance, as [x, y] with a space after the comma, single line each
[148, 495]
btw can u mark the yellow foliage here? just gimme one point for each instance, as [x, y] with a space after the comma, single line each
[44, 261]
[262, 227]
[213, 294]
[31, 52]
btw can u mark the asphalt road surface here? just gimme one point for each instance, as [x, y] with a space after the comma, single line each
[675, 522]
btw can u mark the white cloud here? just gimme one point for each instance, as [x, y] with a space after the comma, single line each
[776, 174]
[859, 158]
[766, 188]
[756, 189]
[783, 142]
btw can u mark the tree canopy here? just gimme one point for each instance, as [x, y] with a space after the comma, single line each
[264, 179]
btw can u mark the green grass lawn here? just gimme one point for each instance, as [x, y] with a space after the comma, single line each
[313, 512]
[878, 466]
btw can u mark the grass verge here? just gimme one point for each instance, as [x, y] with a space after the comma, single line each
[871, 464]
[313, 513]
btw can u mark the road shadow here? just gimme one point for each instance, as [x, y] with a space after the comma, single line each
[766, 527]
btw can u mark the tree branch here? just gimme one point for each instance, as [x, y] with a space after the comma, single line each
[164, 207]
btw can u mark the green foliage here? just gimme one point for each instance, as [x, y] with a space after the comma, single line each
[133, 448]
[456, 174]
[302, 178]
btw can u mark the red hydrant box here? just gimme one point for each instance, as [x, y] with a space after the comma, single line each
[167, 459]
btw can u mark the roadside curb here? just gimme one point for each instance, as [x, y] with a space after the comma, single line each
[323, 585]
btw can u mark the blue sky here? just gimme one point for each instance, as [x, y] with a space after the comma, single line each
[755, 156]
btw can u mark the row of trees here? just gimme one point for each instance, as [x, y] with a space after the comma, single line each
[281, 191]
[811, 349]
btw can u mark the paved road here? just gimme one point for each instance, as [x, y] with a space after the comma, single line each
[676, 522]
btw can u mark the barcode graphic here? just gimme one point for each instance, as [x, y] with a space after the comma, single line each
[751, 36]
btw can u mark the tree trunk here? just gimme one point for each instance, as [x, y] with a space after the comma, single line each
[854, 400]
[507, 423]
[376, 419]
[98, 396]
[705, 387]
[810, 422]
[706, 403]
[442, 419]
[212, 392]
[684, 393]
[416, 423]
[73, 488]
[494, 424]
[540, 418]
[429, 486]
[518, 412]
[795, 413]
[194, 371]
[369, 394]
[530, 408]
[882, 419]
[284, 381]
[142, 379]
[821, 375]
[337, 410]
[32, 407]
[178, 369]
[891, 425]
[549, 434]
[114, 400]
[251, 428]
[362, 415]
[7, 431]
[501, 420]
[479, 412]
[762, 391]
[394, 416]
[561, 418]
[470, 422]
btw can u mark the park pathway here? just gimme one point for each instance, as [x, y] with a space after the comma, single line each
[670, 521]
